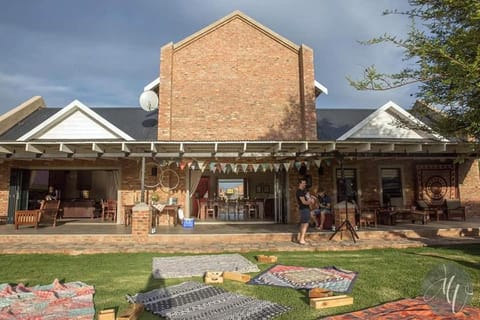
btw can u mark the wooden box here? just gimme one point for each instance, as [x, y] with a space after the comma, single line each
[236, 276]
[213, 277]
[132, 313]
[329, 302]
[107, 314]
[266, 259]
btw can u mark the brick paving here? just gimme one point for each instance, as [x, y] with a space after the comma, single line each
[110, 238]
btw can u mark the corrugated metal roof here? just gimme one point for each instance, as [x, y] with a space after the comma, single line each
[333, 123]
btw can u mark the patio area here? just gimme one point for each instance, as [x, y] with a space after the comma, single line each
[90, 236]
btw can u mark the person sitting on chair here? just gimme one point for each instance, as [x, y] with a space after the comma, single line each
[52, 194]
[325, 207]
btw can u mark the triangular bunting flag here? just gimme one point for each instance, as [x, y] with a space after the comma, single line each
[318, 162]
[244, 167]
[213, 167]
[286, 165]
[255, 166]
[276, 167]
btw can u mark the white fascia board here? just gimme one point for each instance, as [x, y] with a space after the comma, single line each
[321, 87]
[388, 105]
[70, 108]
[152, 85]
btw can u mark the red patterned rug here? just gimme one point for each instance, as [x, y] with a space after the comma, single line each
[56, 301]
[407, 309]
[331, 278]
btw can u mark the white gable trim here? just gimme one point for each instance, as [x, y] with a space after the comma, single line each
[152, 85]
[70, 109]
[388, 105]
[321, 87]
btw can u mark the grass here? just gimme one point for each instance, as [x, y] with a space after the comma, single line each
[384, 275]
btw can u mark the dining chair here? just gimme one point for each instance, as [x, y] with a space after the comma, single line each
[109, 210]
[210, 209]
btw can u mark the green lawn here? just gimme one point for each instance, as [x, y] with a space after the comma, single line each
[384, 275]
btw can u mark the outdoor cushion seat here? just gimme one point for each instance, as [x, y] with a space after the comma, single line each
[455, 209]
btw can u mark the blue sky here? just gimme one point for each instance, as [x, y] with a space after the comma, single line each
[103, 52]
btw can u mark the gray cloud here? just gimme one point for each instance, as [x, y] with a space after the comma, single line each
[104, 52]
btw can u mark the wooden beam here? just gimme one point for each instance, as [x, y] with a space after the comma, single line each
[64, 148]
[97, 148]
[31, 148]
[125, 147]
[5, 150]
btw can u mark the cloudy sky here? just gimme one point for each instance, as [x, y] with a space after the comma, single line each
[103, 52]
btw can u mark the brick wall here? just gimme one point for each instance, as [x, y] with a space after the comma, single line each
[4, 187]
[469, 186]
[236, 82]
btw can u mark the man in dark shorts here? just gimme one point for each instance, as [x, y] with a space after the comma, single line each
[304, 208]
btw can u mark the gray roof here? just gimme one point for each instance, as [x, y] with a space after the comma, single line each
[333, 123]
[143, 126]
[135, 122]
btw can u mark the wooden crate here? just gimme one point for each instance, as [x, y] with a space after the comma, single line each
[236, 276]
[213, 277]
[132, 313]
[107, 314]
[266, 259]
[329, 302]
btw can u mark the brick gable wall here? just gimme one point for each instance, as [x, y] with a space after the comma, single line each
[236, 83]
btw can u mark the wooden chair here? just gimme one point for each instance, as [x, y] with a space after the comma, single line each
[210, 209]
[27, 217]
[49, 212]
[251, 208]
[109, 210]
[455, 209]
[369, 213]
[430, 210]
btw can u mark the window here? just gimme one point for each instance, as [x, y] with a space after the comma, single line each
[391, 186]
[231, 188]
[347, 187]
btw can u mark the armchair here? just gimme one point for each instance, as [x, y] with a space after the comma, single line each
[455, 209]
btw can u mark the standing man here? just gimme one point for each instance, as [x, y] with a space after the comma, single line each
[304, 208]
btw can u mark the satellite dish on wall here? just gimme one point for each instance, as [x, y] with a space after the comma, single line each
[148, 100]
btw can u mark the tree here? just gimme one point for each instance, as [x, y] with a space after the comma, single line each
[445, 49]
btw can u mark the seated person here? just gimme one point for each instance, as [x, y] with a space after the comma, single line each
[52, 194]
[324, 207]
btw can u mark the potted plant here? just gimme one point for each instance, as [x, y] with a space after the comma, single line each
[154, 198]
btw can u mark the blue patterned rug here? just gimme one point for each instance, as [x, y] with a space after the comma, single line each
[330, 278]
[197, 301]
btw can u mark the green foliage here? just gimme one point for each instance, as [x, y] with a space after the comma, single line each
[384, 275]
[444, 45]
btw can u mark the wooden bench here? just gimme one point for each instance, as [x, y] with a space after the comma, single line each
[27, 217]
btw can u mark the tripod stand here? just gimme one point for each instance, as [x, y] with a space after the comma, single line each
[347, 195]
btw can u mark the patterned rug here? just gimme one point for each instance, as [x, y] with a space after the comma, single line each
[189, 266]
[407, 309]
[193, 300]
[73, 300]
[330, 278]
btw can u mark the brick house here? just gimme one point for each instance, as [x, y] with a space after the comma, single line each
[236, 118]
